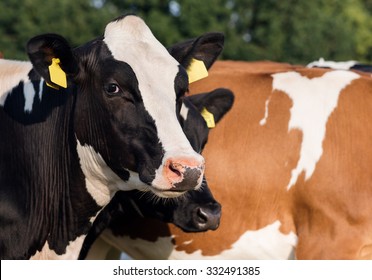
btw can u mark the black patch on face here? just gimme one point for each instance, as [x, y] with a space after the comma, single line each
[194, 127]
[112, 117]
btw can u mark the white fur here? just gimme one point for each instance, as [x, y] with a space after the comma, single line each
[341, 65]
[29, 94]
[72, 251]
[264, 120]
[101, 181]
[313, 102]
[266, 243]
[41, 84]
[11, 74]
[131, 41]
[184, 112]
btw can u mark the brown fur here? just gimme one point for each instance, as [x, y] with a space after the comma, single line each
[248, 167]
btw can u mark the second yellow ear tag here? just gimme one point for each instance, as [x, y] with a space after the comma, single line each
[57, 75]
[208, 117]
[196, 70]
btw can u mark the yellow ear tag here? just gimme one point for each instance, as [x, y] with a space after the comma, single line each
[196, 70]
[208, 117]
[57, 75]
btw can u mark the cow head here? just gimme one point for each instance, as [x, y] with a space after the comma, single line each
[127, 87]
[197, 210]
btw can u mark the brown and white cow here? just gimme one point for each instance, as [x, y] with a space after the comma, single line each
[291, 165]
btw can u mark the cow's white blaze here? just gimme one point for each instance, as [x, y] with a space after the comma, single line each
[131, 41]
[313, 102]
[101, 181]
[11, 74]
[266, 243]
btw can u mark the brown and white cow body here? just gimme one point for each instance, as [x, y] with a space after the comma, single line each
[291, 165]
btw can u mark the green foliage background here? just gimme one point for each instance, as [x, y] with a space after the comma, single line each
[282, 30]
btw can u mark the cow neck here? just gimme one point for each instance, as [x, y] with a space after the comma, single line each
[55, 203]
[76, 206]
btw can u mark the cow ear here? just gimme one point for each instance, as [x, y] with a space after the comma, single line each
[43, 48]
[206, 48]
[217, 102]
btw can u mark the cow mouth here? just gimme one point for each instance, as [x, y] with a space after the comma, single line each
[167, 193]
[172, 192]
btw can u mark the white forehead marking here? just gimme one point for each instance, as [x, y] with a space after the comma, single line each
[11, 74]
[341, 65]
[131, 41]
[101, 181]
[313, 102]
[266, 243]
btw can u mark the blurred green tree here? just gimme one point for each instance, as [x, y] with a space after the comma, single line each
[77, 20]
[300, 31]
[292, 31]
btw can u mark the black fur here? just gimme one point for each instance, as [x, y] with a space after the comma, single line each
[43, 196]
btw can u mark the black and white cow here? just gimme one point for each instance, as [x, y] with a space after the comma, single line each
[196, 211]
[64, 152]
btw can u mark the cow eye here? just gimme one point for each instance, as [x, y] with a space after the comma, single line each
[112, 89]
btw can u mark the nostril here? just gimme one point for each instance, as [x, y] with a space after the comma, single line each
[207, 217]
[216, 208]
[202, 216]
[183, 173]
[174, 171]
[175, 168]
